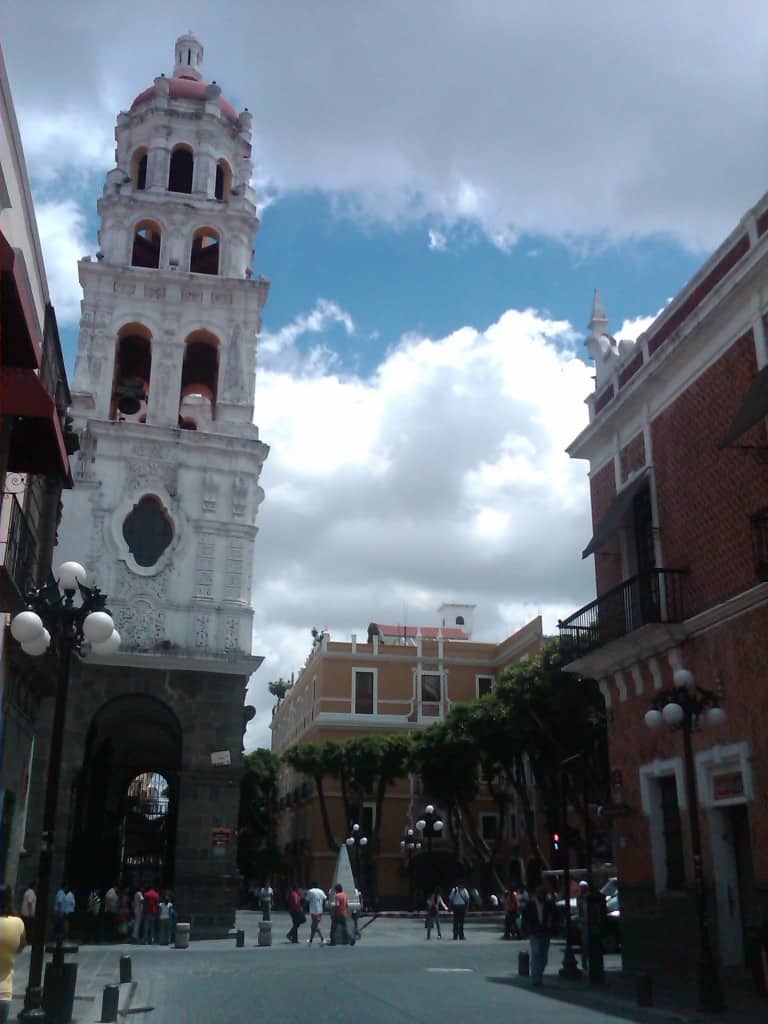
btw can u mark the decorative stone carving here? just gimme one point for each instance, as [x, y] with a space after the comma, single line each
[204, 569]
[201, 631]
[233, 576]
[221, 299]
[239, 497]
[210, 494]
[130, 586]
[151, 292]
[191, 295]
[125, 288]
[233, 373]
[148, 463]
[231, 635]
[141, 625]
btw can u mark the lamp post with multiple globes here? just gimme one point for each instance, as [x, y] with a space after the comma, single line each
[687, 707]
[52, 621]
[430, 825]
[408, 845]
[355, 841]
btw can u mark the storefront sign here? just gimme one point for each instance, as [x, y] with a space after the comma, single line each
[727, 786]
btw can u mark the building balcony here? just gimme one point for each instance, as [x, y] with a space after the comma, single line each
[17, 554]
[635, 619]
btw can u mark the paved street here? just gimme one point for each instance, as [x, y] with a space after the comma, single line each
[393, 975]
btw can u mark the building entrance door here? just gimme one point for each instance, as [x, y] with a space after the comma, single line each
[734, 880]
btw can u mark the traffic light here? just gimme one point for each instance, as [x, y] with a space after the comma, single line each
[556, 841]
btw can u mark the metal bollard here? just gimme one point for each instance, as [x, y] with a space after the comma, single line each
[109, 1002]
[523, 963]
[126, 971]
[182, 934]
[644, 990]
[240, 938]
[265, 933]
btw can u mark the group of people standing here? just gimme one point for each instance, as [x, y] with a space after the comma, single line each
[117, 914]
[315, 901]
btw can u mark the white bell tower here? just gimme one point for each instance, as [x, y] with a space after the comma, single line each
[163, 511]
[167, 490]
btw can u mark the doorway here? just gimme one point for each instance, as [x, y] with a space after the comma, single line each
[735, 895]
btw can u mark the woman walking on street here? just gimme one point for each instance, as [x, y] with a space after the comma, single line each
[435, 904]
[297, 914]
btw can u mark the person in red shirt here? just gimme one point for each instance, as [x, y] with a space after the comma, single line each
[297, 914]
[340, 918]
[151, 912]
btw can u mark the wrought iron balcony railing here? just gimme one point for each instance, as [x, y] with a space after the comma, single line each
[654, 596]
[17, 554]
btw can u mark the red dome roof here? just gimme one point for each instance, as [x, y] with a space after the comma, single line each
[187, 89]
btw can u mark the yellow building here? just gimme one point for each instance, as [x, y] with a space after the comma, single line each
[398, 680]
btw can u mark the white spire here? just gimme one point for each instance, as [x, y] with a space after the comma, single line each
[189, 57]
[599, 320]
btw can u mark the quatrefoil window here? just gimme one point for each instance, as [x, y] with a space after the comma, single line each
[148, 530]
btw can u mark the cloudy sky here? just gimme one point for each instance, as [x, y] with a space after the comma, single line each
[444, 183]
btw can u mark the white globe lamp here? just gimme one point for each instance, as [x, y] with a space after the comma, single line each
[70, 574]
[672, 713]
[27, 627]
[39, 646]
[683, 678]
[716, 716]
[654, 718]
[98, 627]
[110, 646]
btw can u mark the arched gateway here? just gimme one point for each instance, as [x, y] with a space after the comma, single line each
[163, 511]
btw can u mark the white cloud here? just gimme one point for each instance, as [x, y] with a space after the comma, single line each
[442, 475]
[61, 224]
[437, 240]
[508, 117]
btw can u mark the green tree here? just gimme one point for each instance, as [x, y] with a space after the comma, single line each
[257, 853]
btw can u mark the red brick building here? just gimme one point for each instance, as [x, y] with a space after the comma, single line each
[679, 484]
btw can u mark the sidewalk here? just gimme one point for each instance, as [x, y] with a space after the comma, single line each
[670, 1002]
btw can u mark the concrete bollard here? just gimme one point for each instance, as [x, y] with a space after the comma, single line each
[523, 963]
[644, 990]
[239, 938]
[109, 1002]
[265, 933]
[182, 934]
[126, 971]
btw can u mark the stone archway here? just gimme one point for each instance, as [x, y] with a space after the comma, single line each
[133, 742]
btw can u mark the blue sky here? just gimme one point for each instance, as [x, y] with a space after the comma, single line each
[444, 185]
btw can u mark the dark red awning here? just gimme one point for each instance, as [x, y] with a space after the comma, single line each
[21, 341]
[37, 441]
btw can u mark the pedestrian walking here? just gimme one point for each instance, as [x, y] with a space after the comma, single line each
[266, 895]
[298, 917]
[93, 917]
[435, 904]
[151, 900]
[124, 915]
[511, 906]
[12, 941]
[340, 932]
[111, 913]
[459, 901]
[316, 901]
[28, 909]
[137, 906]
[540, 919]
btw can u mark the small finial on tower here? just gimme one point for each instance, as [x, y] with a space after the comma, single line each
[189, 57]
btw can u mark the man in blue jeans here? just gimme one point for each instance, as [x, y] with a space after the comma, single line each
[540, 920]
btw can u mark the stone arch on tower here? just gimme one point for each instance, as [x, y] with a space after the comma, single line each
[181, 170]
[199, 380]
[139, 161]
[223, 184]
[132, 373]
[205, 252]
[124, 831]
[145, 248]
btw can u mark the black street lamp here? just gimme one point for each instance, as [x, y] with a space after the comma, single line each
[408, 844]
[355, 841]
[687, 707]
[53, 621]
[430, 825]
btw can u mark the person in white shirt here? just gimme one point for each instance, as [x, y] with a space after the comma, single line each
[111, 909]
[138, 913]
[28, 908]
[459, 901]
[316, 899]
